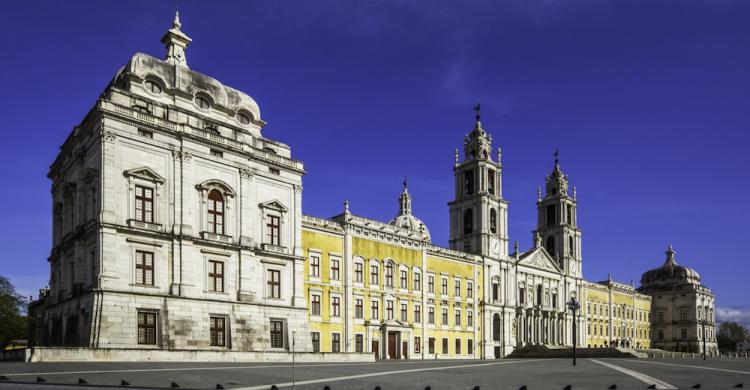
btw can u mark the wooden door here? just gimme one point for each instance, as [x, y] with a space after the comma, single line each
[404, 350]
[376, 349]
[391, 345]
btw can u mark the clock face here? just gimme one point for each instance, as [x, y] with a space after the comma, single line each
[495, 247]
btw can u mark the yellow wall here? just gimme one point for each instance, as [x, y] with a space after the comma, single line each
[629, 316]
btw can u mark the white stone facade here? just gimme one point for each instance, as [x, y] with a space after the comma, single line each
[169, 201]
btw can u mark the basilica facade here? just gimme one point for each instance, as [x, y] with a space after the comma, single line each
[178, 226]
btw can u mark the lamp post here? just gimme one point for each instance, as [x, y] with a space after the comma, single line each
[573, 305]
[704, 339]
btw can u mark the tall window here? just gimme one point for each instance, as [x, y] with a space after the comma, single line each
[469, 182]
[335, 306]
[358, 271]
[431, 345]
[403, 312]
[417, 313]
[458, 346]
[218, 331]
[468, 221]
[215, 212]
[444, 286]
[146, 328]
[274, 283]
[491, 181]
[457, 288]
[144, 204]
[215, 276]
[539, 295]
[551, 214]
[521, 295]
[273, 230]
[495, 291]
[458, 317]
[417, 281]
[469, 318]
[315, 304]
[144, 268]
[403, 278]
[389, 275]
[359, 343]
[554, 300]
[469, 290]
[444, 318]
[316, 341]
[277, 334]
[569, 214]
[358, 308]
[470, 347]
[335, 270]
[315, 266]
[550, 246]
[496, 327]
[571, 248]
[389, 310]
[335, 342]
[445, 346]
[374, 310]
[430, 284]
[431, 315]
[374, 277]
[493, 221]
[417, 345]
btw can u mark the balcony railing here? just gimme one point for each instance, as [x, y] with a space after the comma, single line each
[217, 237]
[144, 225]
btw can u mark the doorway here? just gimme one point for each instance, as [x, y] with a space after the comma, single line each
[392, 345]
[376, 349]
[404, 350]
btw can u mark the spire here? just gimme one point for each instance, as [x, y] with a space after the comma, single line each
[557, 181]
[404, 200]
[346, 206]
[477, 144]
[175, 41]
[670, 256]
[477, 110]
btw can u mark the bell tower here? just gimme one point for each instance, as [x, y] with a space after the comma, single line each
[557, 224]
[479, 214]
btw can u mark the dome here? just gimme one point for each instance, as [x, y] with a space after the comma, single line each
[405, 219]
[670, 273]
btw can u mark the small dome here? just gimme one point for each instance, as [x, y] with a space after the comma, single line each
[405, 219]
[670, 273]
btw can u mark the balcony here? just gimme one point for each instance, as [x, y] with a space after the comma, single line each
[273, 248]
[134, 223]
[217, 237]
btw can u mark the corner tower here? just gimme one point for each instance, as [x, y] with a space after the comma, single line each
[479, 214]
[557, 224]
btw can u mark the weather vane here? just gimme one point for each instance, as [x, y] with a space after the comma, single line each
[557, 156]
[477, 107]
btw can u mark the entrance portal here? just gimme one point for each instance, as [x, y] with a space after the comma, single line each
[392, 345]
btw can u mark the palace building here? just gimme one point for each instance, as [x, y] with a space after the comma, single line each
[178, 225]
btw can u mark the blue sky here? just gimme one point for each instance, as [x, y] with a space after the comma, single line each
[646, 100]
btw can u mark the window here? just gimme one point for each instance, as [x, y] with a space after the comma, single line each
[146, 328]
[431, 345]
[569, 214]
[417, 345]
[683, 333]
[571, 248]
[550, 212]
[152, 86]
[218, 331]
[458, 346]
[358, 308]
[403, 312]
[430, 284]
[215, 212]
[539, 295]
[403, 278]
[445, 346]
[374, 277]
[335, 306]
[660, 317]
[554, 300]
[315, 304]
[389, 310]
[458, 317]
[273, 170]
[470, 347]
[493, 221]
[444, 318]
[358, 270]
[417, 281]
[389, 275]
[217, 153]
[277, 334]
[491, 181]
[273, 230]
[315, 266]
[683, 316]
[469, 182]
[374, 310]
[316, 341]
[469, 290]
[550, 246]
[417, 313]
[457, 288]
[335, 270]
[144, 204]
[660, 334]
[145, 133]
[521, 295]
[444, 286]
[335, 342]
[144, 268]
[202, 102]
[468, 221]
[469, 318]
[243, 118]
[359, 343]
[431, 315]
[496, 292]
[274, 283]
[215, 276]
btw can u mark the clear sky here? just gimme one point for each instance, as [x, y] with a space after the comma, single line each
[648, 102]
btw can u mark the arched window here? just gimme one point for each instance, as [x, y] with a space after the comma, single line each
[468, 221]
[203, 102]
[493, 220]
[153, 87]
[215, 212]
[550, 245]
[496, 327]
[571, 248]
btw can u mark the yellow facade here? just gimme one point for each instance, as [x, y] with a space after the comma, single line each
[387, 293]
[616, 315]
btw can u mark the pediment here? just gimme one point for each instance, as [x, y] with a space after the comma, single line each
[274, 205]
[210, 184]
[144, 173]
[540, 259]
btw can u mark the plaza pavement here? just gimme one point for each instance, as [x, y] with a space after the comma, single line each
[547, 374]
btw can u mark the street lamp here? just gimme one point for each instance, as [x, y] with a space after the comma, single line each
[573, 305]
[704, 338]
